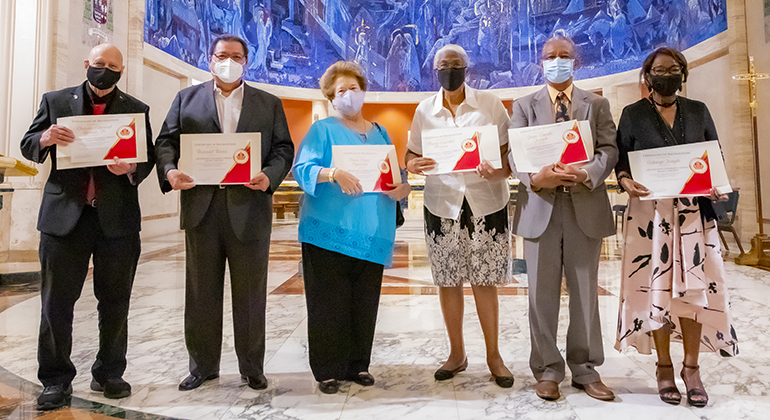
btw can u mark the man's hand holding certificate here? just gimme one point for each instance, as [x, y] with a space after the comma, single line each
[461, 149]
[99, 139]
[220, 159]
[536, 147]
[687, 170]
[375, 166]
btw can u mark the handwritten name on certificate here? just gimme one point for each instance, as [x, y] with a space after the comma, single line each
[100, 138]
[535, 147]
[687, 170]
[461, 149]
[221, 159]
[375, 166]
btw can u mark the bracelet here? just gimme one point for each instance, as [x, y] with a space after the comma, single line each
[331, 174]
[620, 177]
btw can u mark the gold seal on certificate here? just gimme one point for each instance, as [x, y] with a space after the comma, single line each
[100, 138]
[220, 159]
[375, 166]
[461, 149]
[535, 147]
[687, 170]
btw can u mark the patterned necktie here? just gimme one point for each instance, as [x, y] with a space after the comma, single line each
[562, 113]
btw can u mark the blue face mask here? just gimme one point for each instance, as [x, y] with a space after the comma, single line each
[558, 70]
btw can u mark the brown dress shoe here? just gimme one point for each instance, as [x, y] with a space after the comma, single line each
[596, 390]
[547, 390]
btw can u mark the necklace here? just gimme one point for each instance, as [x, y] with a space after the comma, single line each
[665, 131]
[361, 132]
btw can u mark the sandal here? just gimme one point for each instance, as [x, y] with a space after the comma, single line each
[668, 394]
[696, 393]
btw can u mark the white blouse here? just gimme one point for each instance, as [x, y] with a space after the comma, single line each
[444, 193]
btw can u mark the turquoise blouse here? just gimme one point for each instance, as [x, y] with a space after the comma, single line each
[362, 226]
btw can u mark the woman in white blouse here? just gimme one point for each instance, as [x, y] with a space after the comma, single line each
[466, 214]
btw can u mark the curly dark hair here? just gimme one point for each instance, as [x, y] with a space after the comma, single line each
[671, 52]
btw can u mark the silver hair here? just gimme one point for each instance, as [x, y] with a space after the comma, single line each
[451, 47]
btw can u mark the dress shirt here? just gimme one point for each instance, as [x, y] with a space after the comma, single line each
[444, 193]
[229, 108]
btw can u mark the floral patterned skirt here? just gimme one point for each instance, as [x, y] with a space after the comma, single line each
[672, 268]
[472, 249]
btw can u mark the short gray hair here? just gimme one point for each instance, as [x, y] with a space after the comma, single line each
[451, 47]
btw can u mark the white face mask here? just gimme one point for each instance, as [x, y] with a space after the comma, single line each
[559, 69]
[227, 71]
[350, 102]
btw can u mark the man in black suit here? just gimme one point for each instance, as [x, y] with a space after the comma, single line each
[226, 224]
[86, 212]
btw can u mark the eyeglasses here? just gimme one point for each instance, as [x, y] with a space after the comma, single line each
[235, 57]
[450, 66]
[662, 71]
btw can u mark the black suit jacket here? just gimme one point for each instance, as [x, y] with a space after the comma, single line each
[65, 191]
[194, 111]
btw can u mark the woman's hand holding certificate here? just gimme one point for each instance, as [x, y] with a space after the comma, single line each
[687, 170]
[461, 149]
[366, 168]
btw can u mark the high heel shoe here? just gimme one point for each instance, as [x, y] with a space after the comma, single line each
[443, 374]
[696, 394]
[668, 394]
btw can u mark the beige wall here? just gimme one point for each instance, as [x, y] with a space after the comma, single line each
[760, 50]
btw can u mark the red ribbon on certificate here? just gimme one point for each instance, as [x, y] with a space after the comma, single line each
[699, 182]
[240, 173]
[125, 146]
[470, 158]
[575, 149]
[385, 180]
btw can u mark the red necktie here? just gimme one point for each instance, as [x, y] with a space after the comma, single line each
[91, 192]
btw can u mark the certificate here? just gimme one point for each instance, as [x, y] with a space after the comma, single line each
[100, 138]
[687, 170]
[461, 149]
[535, 147]
[375, 166]
[221, 159]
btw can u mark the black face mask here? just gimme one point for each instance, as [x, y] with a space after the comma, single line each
[666, 85]
[451, 78]
[102, 77]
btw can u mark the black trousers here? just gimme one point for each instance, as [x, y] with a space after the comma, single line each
[342, 295]
[209, 246]
[64, 266]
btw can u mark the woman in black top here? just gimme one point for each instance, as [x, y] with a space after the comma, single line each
[672, 272]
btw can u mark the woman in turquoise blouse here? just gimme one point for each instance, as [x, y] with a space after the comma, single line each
[347, 236]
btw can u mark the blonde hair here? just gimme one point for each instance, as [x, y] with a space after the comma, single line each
[340, 68]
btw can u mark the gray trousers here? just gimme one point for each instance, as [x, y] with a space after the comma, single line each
[209, 246]
[564, 249]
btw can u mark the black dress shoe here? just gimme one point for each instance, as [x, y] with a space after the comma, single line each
[255, 382]
[113, 388]
[54, 396]
[193, 381]
[329, 387]
[363, 379]
[443, 374]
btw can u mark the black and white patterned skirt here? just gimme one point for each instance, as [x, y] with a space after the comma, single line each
[472, 249]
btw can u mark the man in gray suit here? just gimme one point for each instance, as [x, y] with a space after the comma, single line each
[563, 213]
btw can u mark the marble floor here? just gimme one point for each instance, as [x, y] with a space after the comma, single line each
[410, 344]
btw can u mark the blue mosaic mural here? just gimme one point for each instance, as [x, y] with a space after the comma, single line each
[291, 42]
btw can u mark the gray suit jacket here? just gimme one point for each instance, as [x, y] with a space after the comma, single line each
[592, 206]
